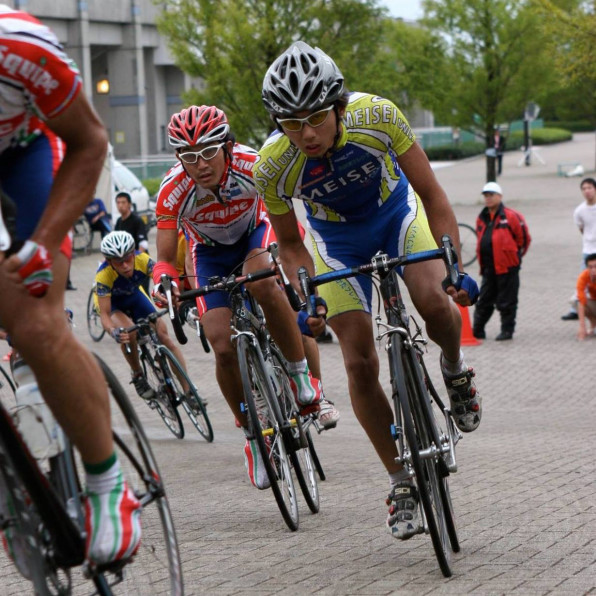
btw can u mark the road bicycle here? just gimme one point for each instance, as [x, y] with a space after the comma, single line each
[42, 510]
[467, 240]
[283, 436]
[168, 379]
[423, 427]
[96, 330]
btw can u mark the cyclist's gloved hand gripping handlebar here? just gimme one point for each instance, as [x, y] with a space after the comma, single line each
[36, 268]
[291, 293]
[460, 281]
[166, 283]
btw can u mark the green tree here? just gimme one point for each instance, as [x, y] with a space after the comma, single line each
[498, 58]
[570, 26]
[229, 44]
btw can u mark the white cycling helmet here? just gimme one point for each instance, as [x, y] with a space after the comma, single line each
[117, 245]
[302, 78]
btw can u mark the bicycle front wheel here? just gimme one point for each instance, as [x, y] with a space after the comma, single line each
[423, 443]
[96, 330]
[164, 392]
[297, 443]
[156, 568]
[467, 239]
[264, 426]
[190, 400]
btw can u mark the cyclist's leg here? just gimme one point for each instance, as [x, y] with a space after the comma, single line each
[281, 319]
[370, 404]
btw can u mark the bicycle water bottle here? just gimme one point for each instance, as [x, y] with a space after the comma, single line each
[35, 421]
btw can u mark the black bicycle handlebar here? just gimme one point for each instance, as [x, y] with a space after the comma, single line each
[380, 263]
[166, 282]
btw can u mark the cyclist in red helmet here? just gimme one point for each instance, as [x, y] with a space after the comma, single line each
[211, 195]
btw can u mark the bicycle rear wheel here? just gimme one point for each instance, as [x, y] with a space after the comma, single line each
[467, 239]
[418, 427]
[297, 443]
[156, 568]
[264, 426]
[96, 330]
[190, 400]
[164, 394]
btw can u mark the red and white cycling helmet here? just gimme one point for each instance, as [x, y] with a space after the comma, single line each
[197, 125]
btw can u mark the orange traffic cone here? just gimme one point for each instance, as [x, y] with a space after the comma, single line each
[467, 337]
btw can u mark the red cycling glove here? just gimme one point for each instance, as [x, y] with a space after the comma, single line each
[160, 268]
[36, 268]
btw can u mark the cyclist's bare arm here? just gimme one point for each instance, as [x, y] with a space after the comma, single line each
[441, 218]
[440, 215]
[86, 146]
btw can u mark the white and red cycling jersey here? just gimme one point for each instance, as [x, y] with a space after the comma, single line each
[37, 79]
[205, 217]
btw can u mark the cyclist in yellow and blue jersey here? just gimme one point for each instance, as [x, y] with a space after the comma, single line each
[367, 186]
[121, 301]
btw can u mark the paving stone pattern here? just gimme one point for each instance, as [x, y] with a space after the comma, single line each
[523, 495]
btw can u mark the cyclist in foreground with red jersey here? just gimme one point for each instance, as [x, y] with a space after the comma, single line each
[46, 185]
[211, 195]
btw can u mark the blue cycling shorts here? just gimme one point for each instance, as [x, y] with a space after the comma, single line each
[222, 260]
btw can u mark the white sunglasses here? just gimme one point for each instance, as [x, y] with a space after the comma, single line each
[315, 119]
[207, 153]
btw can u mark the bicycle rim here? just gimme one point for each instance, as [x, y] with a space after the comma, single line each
[263, 420]
[96, 330]
[417, 419]
[163, 394]
[468, 241]
[191, 402]
[156, 568]
[296, 442]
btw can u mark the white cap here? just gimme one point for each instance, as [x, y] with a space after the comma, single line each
[492, 187]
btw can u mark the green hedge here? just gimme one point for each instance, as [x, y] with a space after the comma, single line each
[152, 185]
[573, 126]
[540, 136]
[454, 152]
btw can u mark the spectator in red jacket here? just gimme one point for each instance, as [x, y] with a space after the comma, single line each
[503, 239]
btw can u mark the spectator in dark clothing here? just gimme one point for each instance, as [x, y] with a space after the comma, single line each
[499, 149]
[97, 216]
[130, 222]
[503, 238]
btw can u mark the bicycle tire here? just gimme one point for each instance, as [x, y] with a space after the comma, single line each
[468, 241]
[191, 402]
[265, 419]
[416, 427]
[7, 390]
[82, 236]
[297, 444]
[163, 399]
[96, 330]
[156, 567]
[315, 457]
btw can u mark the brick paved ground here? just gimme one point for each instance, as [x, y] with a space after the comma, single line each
[524, 493]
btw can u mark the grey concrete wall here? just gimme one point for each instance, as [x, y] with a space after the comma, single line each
[118, 40]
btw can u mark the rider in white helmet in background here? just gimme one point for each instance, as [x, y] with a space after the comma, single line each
[122, 301]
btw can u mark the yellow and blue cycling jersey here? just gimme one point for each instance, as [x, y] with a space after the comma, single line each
[358, 201]
[354, 181]
[109, 283]
[126, 293]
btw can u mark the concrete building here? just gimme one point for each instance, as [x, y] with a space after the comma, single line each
[126, 67]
